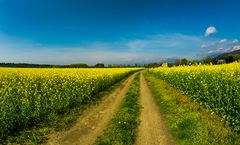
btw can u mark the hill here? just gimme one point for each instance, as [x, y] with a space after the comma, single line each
[229, 57]
[236, 52]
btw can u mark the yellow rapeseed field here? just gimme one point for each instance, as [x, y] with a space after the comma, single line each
[27, 95]
[217, 87]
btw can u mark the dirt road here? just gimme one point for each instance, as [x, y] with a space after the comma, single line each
[94, 120]
[152, 130]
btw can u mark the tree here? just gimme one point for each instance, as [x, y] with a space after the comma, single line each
[152, 65]
[78, 65]
[195, 61]
[137, 65]
[207, 60]
[184, 61]
[236, 57]
[99, 65]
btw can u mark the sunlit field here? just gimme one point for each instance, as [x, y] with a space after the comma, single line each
[28, 95]
[217, 87]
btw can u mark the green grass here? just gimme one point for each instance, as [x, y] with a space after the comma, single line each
[122, 129]
[190, 123]
[54, 122]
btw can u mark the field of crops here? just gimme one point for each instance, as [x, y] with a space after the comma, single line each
[28, 95]
[215, 87]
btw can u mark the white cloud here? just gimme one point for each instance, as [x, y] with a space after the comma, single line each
[218, 51]
[204, 46]
[224, 50]
[211, 51]
[220, 48]
[151, 48]
[210, 30]
[234, 48]
[223, 45]
[235, 41]
[223, 41]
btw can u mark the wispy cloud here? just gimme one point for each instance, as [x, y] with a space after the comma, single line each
[147, 49]
[136, 45]
[225, 47]
[150, 48]
[204, 46]
[236, 48]
[218, 46]
[235, 41]
[223, 41]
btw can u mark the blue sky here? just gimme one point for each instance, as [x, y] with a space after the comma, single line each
[116, 31]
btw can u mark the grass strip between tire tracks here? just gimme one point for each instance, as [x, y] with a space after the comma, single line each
[122, 129]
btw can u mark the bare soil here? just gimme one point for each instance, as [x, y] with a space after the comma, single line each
[94, 120]
[153, 129]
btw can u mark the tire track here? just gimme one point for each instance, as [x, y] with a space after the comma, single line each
[94, 120]
[152, 130]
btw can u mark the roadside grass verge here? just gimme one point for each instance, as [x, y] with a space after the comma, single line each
[190, 123]
[122, 129]
[54, 122]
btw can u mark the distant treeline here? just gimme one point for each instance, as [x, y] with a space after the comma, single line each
[224, 58]
[177, 62]
[26, 65]
[98, 65]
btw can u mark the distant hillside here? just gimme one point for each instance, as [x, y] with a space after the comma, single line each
[228, 57]
[224, 55]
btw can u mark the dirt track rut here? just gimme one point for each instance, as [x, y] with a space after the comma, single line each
[94, 120]
[152, 130]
